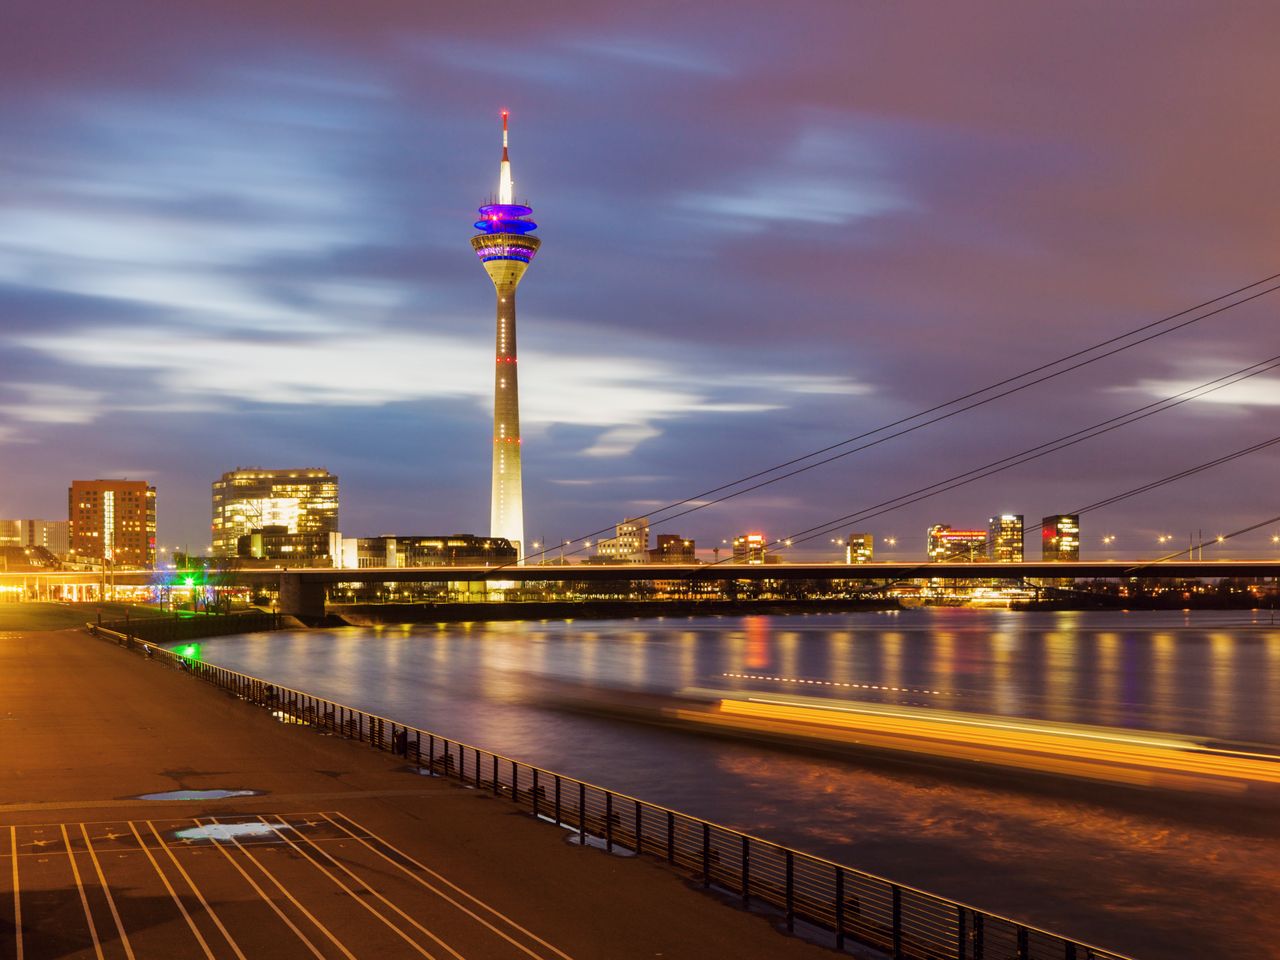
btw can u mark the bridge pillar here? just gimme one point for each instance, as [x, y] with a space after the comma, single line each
[301, 597]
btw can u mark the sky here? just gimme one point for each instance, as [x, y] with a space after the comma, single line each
[236, 234]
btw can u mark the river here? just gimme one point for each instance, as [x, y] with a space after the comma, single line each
[1145, 874]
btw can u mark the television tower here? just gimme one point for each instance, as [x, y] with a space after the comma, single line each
[505, 247]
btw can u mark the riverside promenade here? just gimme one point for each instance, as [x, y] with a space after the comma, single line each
[339, 851]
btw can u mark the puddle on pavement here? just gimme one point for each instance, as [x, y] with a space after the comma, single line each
[198, 794]
[253, 830]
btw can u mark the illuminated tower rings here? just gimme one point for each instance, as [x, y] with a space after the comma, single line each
[505, 247]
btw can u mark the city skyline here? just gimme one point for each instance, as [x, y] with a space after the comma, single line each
[177, 304]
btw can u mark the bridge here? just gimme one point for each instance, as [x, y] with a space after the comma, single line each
[302, 591]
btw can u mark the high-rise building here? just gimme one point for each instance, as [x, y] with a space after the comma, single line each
[303, 500]
[506, 248]
[112, 520]
[1060, 537]
[750, 548]
[945, 545]
[629, 544]
[673, 548]
[1004, 540]
[859, 548]
[11, 533]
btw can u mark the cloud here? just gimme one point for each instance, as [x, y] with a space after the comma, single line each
[1254, 392]
[627, 395]
[51, 403]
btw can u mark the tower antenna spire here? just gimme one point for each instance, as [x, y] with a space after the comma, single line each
[506, 189]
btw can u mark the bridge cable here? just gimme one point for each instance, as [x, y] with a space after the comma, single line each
[1038, 451]
[695, 502]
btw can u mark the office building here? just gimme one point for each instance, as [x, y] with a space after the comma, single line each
[673, 548]
[456, 550]
[52, 535]
[277, 544]
[946, 545]
[303, 500]
[11, 533]
[629, 544]
[506, 247]
[112, 521]
[750, 548]
[859, 548]
[1060, 537]
[1004, 538]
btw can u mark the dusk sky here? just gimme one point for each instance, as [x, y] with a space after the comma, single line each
[236, 234]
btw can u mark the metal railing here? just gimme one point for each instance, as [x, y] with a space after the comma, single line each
[823, 899]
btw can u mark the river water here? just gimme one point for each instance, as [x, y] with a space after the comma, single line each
[1149, 875]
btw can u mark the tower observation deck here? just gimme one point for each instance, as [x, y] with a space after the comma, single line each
[506, 246]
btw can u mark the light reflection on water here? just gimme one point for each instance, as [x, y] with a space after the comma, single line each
[1211, 675]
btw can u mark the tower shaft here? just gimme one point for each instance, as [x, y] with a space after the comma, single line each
[506, 512]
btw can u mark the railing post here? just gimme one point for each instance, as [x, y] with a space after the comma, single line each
[557, 799]
[1071, 952]
[791, 892]
[671, 837]
[1023, 946]
[417, 747]
[897, 922]
[746, 871]
[706, 854]
[961, 936]
[495, 775]
[840, 909]
[431, 754]
[477, 749]
[535, 793]
[639, 828]
[608, 822]
[515, 782]
[978, 946]
[582, 813]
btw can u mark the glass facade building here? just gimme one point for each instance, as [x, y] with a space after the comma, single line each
[1004, 541]
[1060, 537]
[303, 500]
[945, 545]
[859, 548]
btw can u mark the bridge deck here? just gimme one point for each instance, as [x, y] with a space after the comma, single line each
[342, 855]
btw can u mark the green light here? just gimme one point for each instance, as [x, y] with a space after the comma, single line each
[189, 581]
[190, 652]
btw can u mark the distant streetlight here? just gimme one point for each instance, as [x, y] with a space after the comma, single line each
[1163, 538]
[1109, 538]
[891, 541]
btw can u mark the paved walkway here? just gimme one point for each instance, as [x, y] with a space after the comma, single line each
[339, 853]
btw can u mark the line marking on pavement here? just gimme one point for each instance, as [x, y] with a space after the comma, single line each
[196, 890]
[270, 902]
[173, 893]
[111, 901]
[84, 900]
[186, 805]
[347, 870]
[285, 890]
[17, 897]
[352, 894]
[444, 896]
